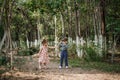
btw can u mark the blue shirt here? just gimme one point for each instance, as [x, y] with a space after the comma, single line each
[63, 46]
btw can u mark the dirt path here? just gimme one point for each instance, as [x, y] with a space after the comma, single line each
[30, 71]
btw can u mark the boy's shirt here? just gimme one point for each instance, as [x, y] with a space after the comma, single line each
[63, 46]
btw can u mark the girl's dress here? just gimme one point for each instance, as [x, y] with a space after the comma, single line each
[43, 58]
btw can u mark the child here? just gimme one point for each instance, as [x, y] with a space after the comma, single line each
[43, 54]
[63, 55]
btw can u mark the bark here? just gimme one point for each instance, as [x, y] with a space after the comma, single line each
[8, 14]
[27, 41]
[102, 12]
[95, 32]
[62, 21]
[3, 39]
[71, 21]
[95, 24]
[38, 31]
[102, 4]
[77, 30]
[78, 46]
[56, 38]
[7, 25]
[113, 49]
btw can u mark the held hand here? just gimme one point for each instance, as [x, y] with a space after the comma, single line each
[51, 47]
[56, 46]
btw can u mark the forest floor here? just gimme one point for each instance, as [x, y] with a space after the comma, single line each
[29, 71]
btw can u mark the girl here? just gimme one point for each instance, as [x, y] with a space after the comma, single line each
[43, 54]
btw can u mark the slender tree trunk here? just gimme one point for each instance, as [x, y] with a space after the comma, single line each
[69, 12]
[100, 37]
[77, 31]
[56, 39]
[95, 24]
[113, 49]
[38, 33]
[3, 39]
[8, 13]
[62, 21]
[87, 23]
[27, 41]
[102, 4]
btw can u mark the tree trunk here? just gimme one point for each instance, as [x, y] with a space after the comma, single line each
[103, 36]
[8, 13]
[56, 39]
[62, 21]
[113, 49]
[27, 41]
[77, 30]
[3, 39]
[95, 26]
[38, 31]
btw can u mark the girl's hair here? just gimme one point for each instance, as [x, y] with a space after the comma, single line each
[65, 39]
[44, 41]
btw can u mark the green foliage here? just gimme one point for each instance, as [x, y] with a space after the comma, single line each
[27, 52]
[91, 53]
[4, 60]
[113, 9]
[33, 49]
[113, 19]
[72, 50]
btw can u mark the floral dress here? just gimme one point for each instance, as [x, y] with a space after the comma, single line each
[43, 57]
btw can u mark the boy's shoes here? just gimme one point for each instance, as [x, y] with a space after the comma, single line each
[66, 67]
[60, 67]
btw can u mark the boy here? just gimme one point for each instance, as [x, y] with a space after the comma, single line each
[64, 54]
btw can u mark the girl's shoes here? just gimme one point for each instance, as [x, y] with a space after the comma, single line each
[40, 67]
[45, 67]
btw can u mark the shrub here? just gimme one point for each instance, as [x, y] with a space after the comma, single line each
[72, 50]
[4, 60]
[28, 52]
[33, 49]
[91, 54]
[24, 53]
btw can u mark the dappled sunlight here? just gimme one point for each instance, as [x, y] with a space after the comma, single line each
[30, 71]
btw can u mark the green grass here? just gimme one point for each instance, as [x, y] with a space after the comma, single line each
[102, 66]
